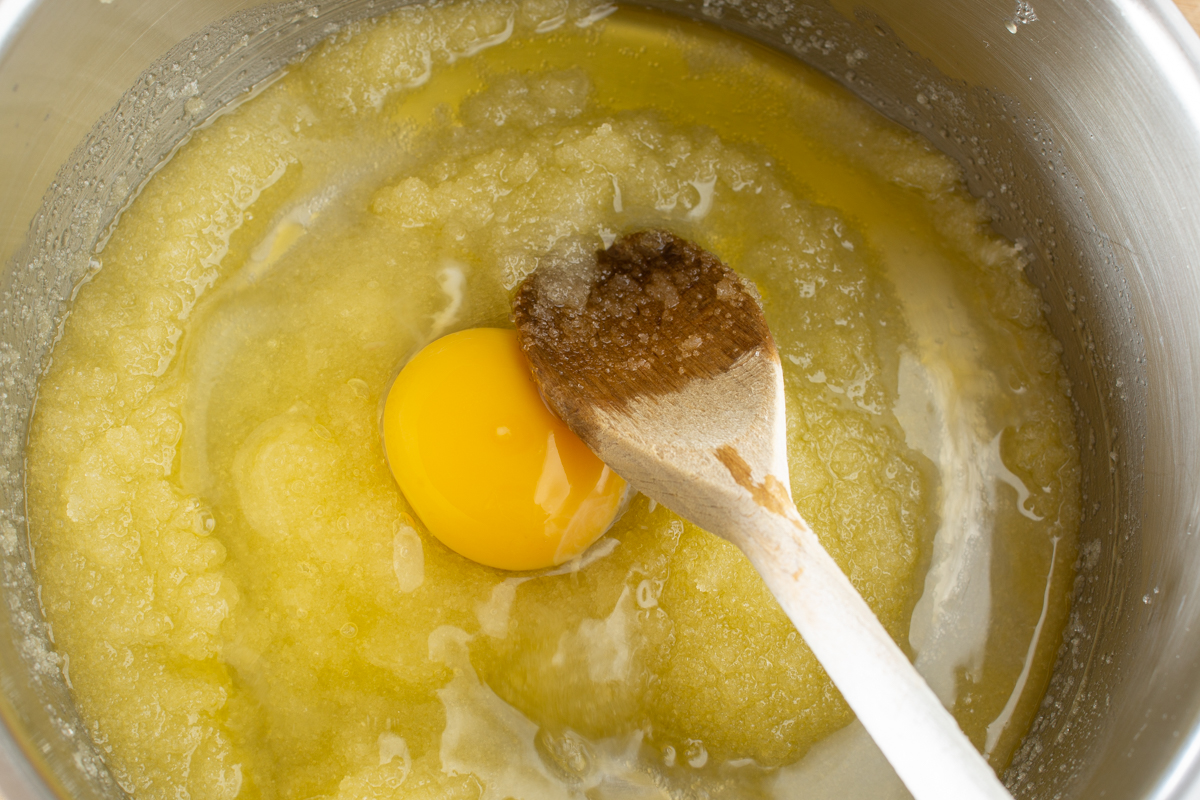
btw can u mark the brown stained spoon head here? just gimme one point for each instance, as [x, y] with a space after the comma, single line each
[658, 356]
[656, 346]
[659, 313]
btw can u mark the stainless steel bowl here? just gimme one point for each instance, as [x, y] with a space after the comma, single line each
[1078, 122]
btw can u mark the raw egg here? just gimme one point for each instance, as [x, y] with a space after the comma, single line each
[490, 471]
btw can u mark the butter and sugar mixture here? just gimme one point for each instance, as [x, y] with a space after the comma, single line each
[244, 603]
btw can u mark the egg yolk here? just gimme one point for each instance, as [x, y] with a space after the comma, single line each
[490, 471]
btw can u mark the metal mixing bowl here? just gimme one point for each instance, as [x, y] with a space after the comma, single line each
[1078, 121]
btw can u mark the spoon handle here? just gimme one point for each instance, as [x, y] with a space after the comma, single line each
[917, 735]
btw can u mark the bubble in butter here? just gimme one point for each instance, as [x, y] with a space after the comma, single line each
[244, 603]
[490, 471]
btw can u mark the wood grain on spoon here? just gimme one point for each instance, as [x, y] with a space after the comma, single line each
[658, 356]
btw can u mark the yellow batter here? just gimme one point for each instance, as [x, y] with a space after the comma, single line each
[243, 601]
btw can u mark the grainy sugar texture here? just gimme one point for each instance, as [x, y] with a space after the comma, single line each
[248, 606]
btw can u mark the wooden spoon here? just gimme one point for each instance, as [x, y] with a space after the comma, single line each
[657, 355]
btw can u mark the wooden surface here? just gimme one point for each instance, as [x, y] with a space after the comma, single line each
[1191, 10]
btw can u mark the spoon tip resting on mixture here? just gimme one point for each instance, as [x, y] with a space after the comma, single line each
[655, 352]
[655, 313]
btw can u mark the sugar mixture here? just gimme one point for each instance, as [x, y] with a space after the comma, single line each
[243, 602]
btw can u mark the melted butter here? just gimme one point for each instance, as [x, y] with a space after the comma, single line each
[408, 557]
[217, 532]
[998, 726]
